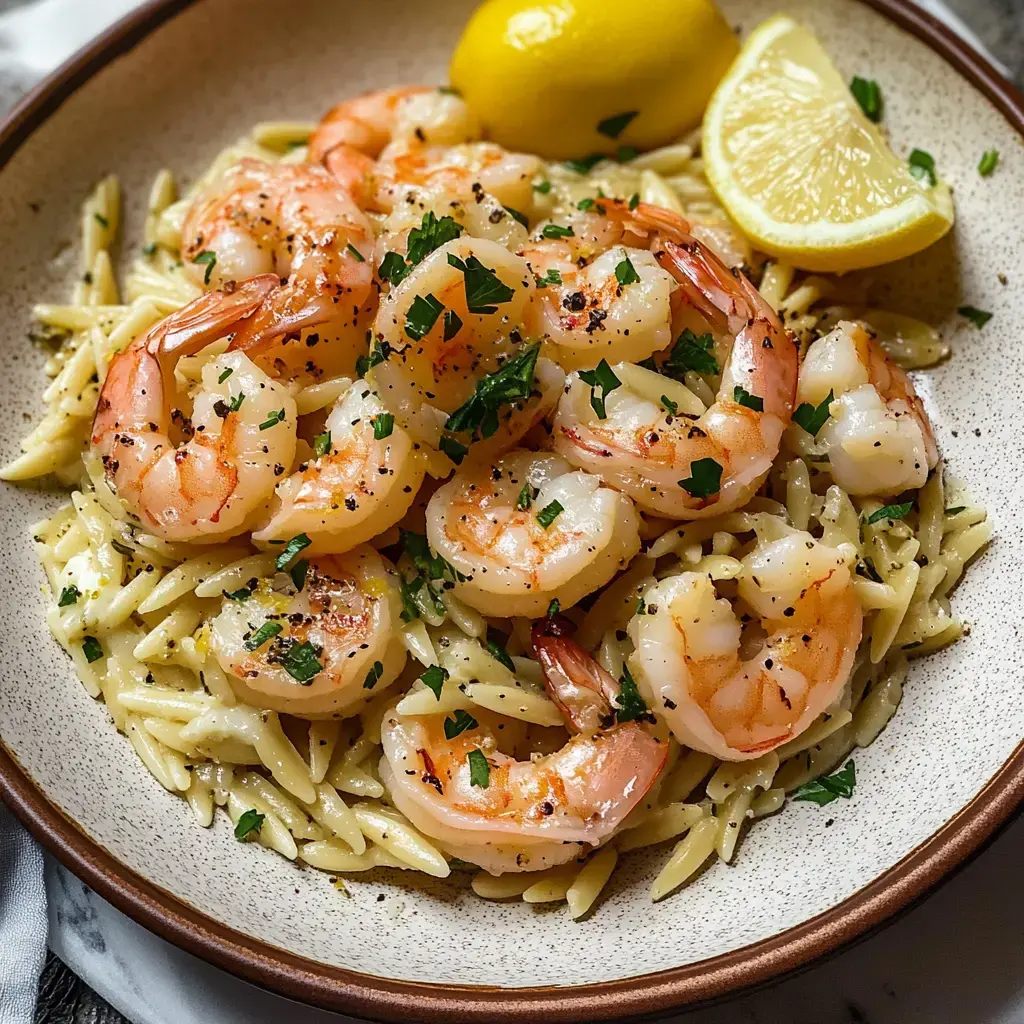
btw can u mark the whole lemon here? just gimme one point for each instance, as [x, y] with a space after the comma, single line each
[567, 78]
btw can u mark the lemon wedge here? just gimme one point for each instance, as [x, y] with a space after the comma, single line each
[800, 168]
[567, 78]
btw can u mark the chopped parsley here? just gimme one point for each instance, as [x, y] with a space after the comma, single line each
[291, 549]
[373, 676]
[625, 273]
[827, 788]
[988, 162]
[630, 705]
[922, 166]
[634, 201]
[224, 376]
[554, 608]
[551, 277]
[392, 268]
[322, 444]
[670, 407]
[452, 324]
[557, 231]
[249, 822]
[432, 566]
[549, 513]
[978, 317]
[379, 353]
[101, 220]
[889, 512]
[69, 595]
[584, 165]
[266, 632]
[242, 594]
[300, 662]
[149, 250]
[519, 216]
[355, 253]
[512, 383]
[383, 425]
[602, 378]
[453, 448]
[612, 127]
[812, 417]
[459, 724]
[479, 769]
[298, 573]
[500, 655]
[208, 257]
[743, 397]
[432, 233]
[691, 352]
[525, 499]
[544, 187]
[236, 403]
[272, 420]
[483, 286]
[434, 679]
[91, 649]
[421, 316]
[868, 96]
[704, 480]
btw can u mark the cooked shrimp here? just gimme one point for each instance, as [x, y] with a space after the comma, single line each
[526, 529]
[297, 222]
[617, 307]
[688, 664]
[533, 814]
[335, 644]
[433, 361]
[678, 464]
[878, 436]
[352, 135]
[243, 424]
[361, 485]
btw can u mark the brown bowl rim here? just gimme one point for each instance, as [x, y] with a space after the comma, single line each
[385, 999]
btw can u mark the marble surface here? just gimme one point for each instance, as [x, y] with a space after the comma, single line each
[959, 956]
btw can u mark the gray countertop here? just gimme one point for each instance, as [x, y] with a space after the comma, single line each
[66, 999]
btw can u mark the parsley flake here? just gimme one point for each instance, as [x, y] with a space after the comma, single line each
[479, 769]
[554, 608]
[630, 705]
[300, 662]
[208, 257]
[585, 204]
[868, 96]
[691, 352]
[519, 216]
[459, 724]
[634, 201]
[544, 187]
[549, 513]
[236, 403]
[670, 407]
[625, 273]
[500, 655]
[373, 676]
[298, 573]
[224, 376]
[434, 678]
[322, 444]
[453, 448]
[249, 822]
[827, 788]
[704, 480]
[743, 397]
[551, 277]
[272, 420]
[525, 499]
[812, 418]
[585, 164]
[69, 595]
[612, 127]
[483, 286]
[91, 649]
[101, 220]
[557, 231]
[355, 253]
[291, 549]
[601, 377]
[266, 632]
[421, 316]
[922, 166]
[889, 512]
[978, 317]
[988, 162]
[512, 383]
[383, 425]
[392, 268]
[452, 324]
[242, 594]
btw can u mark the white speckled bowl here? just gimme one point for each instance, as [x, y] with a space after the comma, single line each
[943, 776]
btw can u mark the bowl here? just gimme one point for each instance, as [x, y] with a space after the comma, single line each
[171, 85]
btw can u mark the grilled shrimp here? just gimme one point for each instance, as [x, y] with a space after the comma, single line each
[362, 484]
[243, 423]
[297, 222]
[617, 307]
[507, 815]
[317, 644]
[429, 362]
[527, 529]
[688, 664]
[352, 135]
[679, 464]
[877, 436]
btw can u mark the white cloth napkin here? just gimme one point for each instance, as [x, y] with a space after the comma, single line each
[34, 39]
[22, 921]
